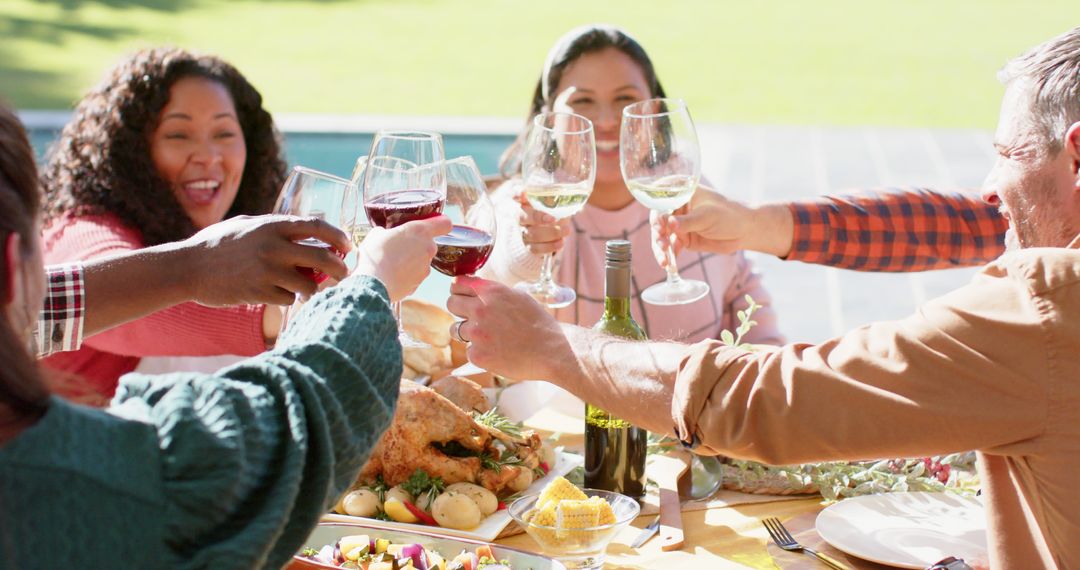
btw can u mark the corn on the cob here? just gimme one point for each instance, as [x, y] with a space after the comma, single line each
[558, 490]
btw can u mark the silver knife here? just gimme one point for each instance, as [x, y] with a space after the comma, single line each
[646, 533]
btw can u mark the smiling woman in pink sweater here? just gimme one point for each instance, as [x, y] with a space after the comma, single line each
[597, 70]
[169, 143]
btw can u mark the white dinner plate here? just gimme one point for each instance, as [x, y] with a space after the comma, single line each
[490, 526]
[907, 530]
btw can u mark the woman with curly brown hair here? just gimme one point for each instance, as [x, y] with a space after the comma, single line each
[169, 143]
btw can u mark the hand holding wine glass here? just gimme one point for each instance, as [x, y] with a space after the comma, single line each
[661, 164]
[467, 247]
[557, 170]
[308, 192]
[401, 257]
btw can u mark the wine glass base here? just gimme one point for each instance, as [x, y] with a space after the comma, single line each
[410, 342]
[550, 295]
[679, 292]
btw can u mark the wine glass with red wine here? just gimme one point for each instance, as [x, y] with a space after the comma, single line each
[466, 248]
[469, 244]
[405, 180]
[311, 193]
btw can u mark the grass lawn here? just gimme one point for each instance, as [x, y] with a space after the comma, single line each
[832, 62]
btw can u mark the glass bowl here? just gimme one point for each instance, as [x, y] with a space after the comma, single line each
[579, 548]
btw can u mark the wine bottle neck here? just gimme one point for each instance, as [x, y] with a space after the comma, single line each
[617, 291]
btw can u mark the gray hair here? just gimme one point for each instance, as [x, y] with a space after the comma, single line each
[1050, 73]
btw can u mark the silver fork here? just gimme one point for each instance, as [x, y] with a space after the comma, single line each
[783, 539]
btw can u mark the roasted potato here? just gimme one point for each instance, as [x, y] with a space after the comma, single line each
[456, 510]
[361, 503]
[485, 500]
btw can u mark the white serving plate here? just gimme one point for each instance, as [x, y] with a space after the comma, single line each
[490, 527]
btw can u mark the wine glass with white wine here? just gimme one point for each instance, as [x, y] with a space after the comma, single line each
[558, 169]
[661, 164]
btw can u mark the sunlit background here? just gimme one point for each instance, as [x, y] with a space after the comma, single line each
[821, 62]
[792, 97]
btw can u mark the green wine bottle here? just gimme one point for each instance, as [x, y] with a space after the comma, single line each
[614, 448]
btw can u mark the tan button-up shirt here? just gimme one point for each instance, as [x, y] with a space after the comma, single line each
[993, 366]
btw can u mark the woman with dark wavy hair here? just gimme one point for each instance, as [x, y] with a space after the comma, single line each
[168, 143]
[229, 470]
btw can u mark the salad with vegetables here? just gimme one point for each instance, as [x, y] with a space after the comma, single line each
[365, 553]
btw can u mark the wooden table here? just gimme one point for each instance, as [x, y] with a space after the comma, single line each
[728, 537]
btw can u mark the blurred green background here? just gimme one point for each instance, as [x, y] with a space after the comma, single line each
[827, 62]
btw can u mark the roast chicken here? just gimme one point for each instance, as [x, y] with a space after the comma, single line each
[432, 433]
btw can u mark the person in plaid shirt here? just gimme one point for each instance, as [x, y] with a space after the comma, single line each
[60, 322]
[895, 230]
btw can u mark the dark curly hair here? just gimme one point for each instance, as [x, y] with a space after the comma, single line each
[102, 164]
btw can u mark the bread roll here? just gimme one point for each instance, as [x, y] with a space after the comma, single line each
[433, 361]
[426, 322]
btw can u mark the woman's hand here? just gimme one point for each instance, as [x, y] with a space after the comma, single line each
[540, 232]
[401, 257]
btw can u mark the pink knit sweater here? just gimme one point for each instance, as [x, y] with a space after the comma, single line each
[189, 329]
[580, 265]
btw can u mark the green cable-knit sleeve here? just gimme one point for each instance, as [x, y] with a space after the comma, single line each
[253, 455]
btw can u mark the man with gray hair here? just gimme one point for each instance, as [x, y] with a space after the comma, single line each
[993, 366]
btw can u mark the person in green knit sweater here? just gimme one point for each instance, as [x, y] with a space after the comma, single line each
[229, 470]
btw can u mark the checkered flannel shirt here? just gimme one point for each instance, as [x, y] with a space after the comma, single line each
[60, 322]
[912, 229]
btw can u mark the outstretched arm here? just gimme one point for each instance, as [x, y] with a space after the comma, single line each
[911, 229]
[243, 260]
[774, 406]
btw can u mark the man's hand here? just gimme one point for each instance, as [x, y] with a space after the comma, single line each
[401, 257]
[509, 333]
[253, 260]
[713, 223]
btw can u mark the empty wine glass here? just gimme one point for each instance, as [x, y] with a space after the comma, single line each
[661, 164]
[308, 192]
[558, 169]
[404, 180]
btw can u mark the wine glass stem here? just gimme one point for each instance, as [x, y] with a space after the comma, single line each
[396, 307]
[546, 267]
[672, 266]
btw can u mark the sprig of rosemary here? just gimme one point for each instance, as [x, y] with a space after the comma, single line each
[488, 461]
[493, 419]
